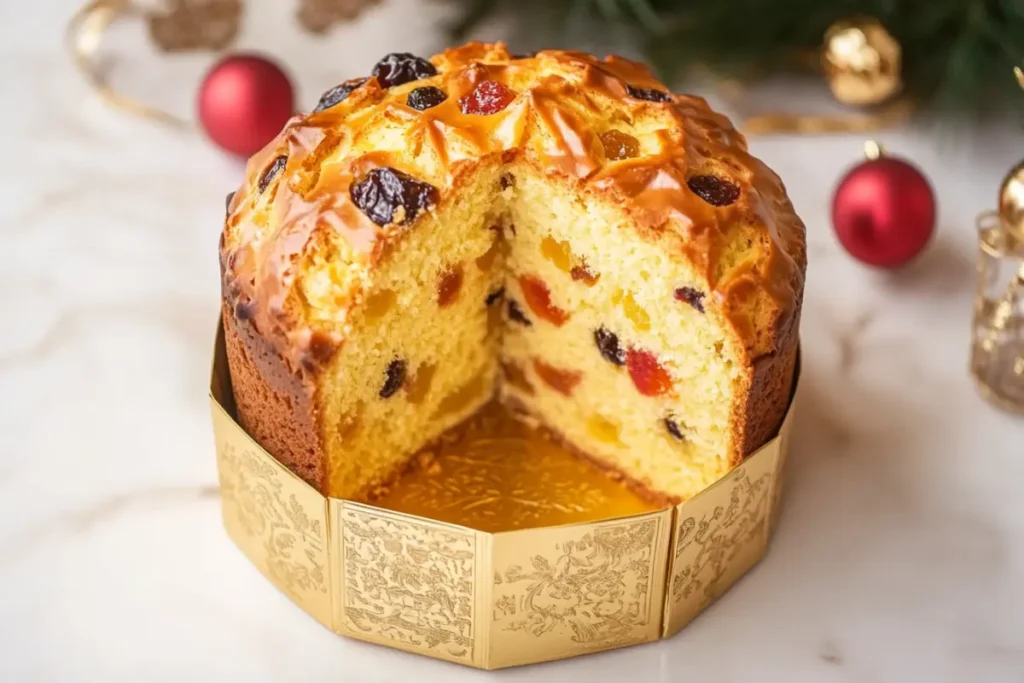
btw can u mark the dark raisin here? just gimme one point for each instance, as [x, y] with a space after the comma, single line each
[227, 202]
[426, 97]
[673, 428]
[244, 310]
[394, 377]
[494, 296]
[387, 195]
[515, 312]
[692, 296]
[487, 97]
[402, 67]
[338, 94]
[268, 175]
[506, 181]
[608, 344]
[714, 190]
[649, 94]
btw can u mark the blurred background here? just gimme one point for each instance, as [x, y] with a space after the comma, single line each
[900, 552]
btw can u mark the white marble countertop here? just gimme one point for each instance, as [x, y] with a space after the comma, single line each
[900, 556]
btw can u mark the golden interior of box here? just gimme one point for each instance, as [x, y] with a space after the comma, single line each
[498, 472]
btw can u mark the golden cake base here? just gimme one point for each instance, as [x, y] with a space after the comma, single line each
[538, 558]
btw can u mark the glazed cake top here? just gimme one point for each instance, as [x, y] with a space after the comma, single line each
[321, 202]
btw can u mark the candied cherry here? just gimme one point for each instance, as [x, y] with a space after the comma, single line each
[272, 172]
[386, 195]
[538, 298]
[649, 94]
[562, 381]
[426, 97]
[692, 296]
[648, 375]
[338, 94]
[402, 67]
[394, 377]
[714, 190]
[608, 344]
[487, 97]
[618, 145]
[448, 286]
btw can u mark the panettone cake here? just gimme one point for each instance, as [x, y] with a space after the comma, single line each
[555, 230]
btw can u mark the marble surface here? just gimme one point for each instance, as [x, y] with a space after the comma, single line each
[900, 554]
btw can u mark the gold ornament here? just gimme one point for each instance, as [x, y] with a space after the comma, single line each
[862, 62]
[1011, 202]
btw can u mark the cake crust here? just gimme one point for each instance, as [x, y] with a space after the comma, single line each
[285, 233]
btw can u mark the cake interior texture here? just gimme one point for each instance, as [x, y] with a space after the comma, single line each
[546, 290]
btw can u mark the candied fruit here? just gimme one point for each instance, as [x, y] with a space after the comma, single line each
[448, 286]
[401, 67]
[272, 171]
[515, 312]
[538, 298]
[562, 381]
[486, 260]
[648, 375]
[418, 386]
[338, 94]
[425, 97]
[714, 190]
[618, 145]
[582, 274]
[674, 429]
[386, 195]
[637, 315]
[487, 97]
[649, 94]
[692, 296]
[379, 303]
[557, 252]
[608, 344]
[516, 377]
[603, 429]
[394, 377]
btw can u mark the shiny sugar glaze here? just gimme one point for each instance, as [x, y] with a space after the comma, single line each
[556, 93]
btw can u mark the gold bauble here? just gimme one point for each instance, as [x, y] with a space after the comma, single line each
[1011, 202]
[861, 61]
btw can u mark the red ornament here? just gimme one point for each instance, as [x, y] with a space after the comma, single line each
[883, 211]
[244, 101]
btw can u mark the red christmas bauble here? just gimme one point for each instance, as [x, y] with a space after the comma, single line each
[883, 212]
[244, 101]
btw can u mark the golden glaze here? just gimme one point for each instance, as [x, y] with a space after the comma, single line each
[307, 209]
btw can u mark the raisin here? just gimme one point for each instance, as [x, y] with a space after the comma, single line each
[494, 296]
[562, 381]
[649, 377]
[448, 286]
[394, 378]
[714, 190]
[506, 181]
[649, 94]
[582, 273]
[515, 377]
[538, 298]
[673, 428]
[426, 97]
[618, 145]
[401, 67]
[227, 202]
[515, 312]
[608, 344]
[338, 94]
[487, 97]
[692, 296]
[272, 171]
[387, 195]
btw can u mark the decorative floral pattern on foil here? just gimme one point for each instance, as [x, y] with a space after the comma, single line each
[707, 548]
[292, 542]
[408, 583]
[595, 590]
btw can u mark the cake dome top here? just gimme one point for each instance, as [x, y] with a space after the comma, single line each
[322, 202]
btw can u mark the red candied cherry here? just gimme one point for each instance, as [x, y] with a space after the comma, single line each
[650, 378]
[538, 298]
[487, 97]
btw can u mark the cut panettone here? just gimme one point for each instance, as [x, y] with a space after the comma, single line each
[558, 230]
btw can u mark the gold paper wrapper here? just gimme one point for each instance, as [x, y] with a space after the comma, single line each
[530, 555]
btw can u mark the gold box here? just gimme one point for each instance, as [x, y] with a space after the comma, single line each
[490, 600]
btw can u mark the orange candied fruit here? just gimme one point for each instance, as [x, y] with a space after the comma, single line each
[538, 298]
[562, 381]
[487, 97]
[618, 145]
[448, 286]
[637, 315]
[648, 375]
[603, 429]
[419, 386]
[557, 252]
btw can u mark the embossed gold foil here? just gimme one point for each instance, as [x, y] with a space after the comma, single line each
[519, 568]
